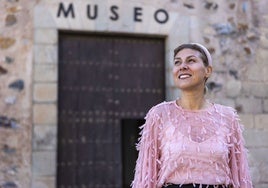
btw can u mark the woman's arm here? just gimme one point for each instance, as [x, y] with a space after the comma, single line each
[146, 170]
[238, 157]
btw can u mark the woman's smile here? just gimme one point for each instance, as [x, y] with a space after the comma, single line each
[184, 76]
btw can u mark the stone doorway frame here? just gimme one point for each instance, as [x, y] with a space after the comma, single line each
[45, 70]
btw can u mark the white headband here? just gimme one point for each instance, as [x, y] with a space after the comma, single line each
[206, 52]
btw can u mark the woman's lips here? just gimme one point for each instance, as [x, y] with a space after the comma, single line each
[184, 76]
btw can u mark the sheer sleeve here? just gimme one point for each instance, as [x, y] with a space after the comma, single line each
[146, 170]
[238, 157]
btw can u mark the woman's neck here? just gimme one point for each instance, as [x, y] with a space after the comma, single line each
[192, 101]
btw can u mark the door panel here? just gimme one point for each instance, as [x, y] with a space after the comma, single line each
[103, 79]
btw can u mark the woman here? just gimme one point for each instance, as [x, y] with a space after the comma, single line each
[191, 142]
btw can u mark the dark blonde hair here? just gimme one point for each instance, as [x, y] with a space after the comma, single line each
[193, 47]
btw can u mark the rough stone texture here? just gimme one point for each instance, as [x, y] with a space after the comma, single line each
[45, 182]
[247, 120]
[261, 121]
[265, 105]
[16, 46]
[256, 138]
[45, 73]
[233, 88]
[44, 114]
[45, 54]
[11, 20]
[44, 138]
[236, 33]
[45, 36]
[45, 92]
[44, 163]
[256, 89]
[6, 42]
[249, 105]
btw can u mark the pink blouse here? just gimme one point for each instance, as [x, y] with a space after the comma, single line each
[183, 146]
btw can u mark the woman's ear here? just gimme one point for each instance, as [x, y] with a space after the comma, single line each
[208, 71]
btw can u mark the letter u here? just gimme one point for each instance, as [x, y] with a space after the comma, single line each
[95, 13]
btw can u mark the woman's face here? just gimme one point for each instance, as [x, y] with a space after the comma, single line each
[189, 71]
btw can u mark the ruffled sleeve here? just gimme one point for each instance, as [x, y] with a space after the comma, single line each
[238, 157]
[146, 170]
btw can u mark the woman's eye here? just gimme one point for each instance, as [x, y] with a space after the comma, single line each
[177, 62]
[191, 60]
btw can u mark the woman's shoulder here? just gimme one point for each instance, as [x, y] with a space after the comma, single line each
[161, 107]
[224, 107]
[225, 110]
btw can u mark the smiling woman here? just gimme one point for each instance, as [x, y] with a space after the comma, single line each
[192, 142]
[192, 67]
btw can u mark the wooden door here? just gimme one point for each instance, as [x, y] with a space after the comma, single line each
[104, 81]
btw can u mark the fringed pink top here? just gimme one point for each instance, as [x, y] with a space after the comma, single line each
[182, 146]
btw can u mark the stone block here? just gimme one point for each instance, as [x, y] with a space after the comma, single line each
[255, 89]
[255, 174]
[233, 88]
[12, 142]
[262, 185]
[259, 154]
[45, 54]
[10, 20]
[169, 78]
[44, 137]
[45, 72]
[261, 121]
[225, 101]
[44, 182]
[265, 76]
[249, 105]
[264, 40]
[45, 114]
[6, 42]
[169, 61]
[247, 89]
[179, 32]
[256, 138]
[45, 92]
[46, 36]
[262, 55]
[265, 105]
[255, 72]
[44, 163]
[247, 120]
[43, 18]
[263, 172]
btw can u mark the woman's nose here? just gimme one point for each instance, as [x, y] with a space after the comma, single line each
[183, 66]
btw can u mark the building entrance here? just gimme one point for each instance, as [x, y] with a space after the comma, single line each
[107, 83]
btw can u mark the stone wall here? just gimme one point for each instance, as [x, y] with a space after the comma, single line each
[16, 45]
[235, 31]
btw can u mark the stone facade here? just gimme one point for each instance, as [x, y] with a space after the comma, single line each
[235, 31]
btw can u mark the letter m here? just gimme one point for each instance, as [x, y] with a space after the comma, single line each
[70, 10]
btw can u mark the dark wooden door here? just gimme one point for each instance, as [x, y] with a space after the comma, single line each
[103, 80]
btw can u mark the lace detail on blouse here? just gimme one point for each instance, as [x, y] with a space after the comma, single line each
[183, 146]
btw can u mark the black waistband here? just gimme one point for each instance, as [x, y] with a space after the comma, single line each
[194, 186]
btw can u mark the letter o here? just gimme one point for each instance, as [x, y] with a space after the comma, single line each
[163, 20]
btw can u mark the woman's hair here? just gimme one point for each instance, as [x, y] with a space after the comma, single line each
[194, 46]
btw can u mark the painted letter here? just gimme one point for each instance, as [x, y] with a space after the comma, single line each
[66, 13]
[137, 13]
[95, 14]
[164, 18]
[115, 15]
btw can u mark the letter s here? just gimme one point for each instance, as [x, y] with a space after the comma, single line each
[115, 15]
